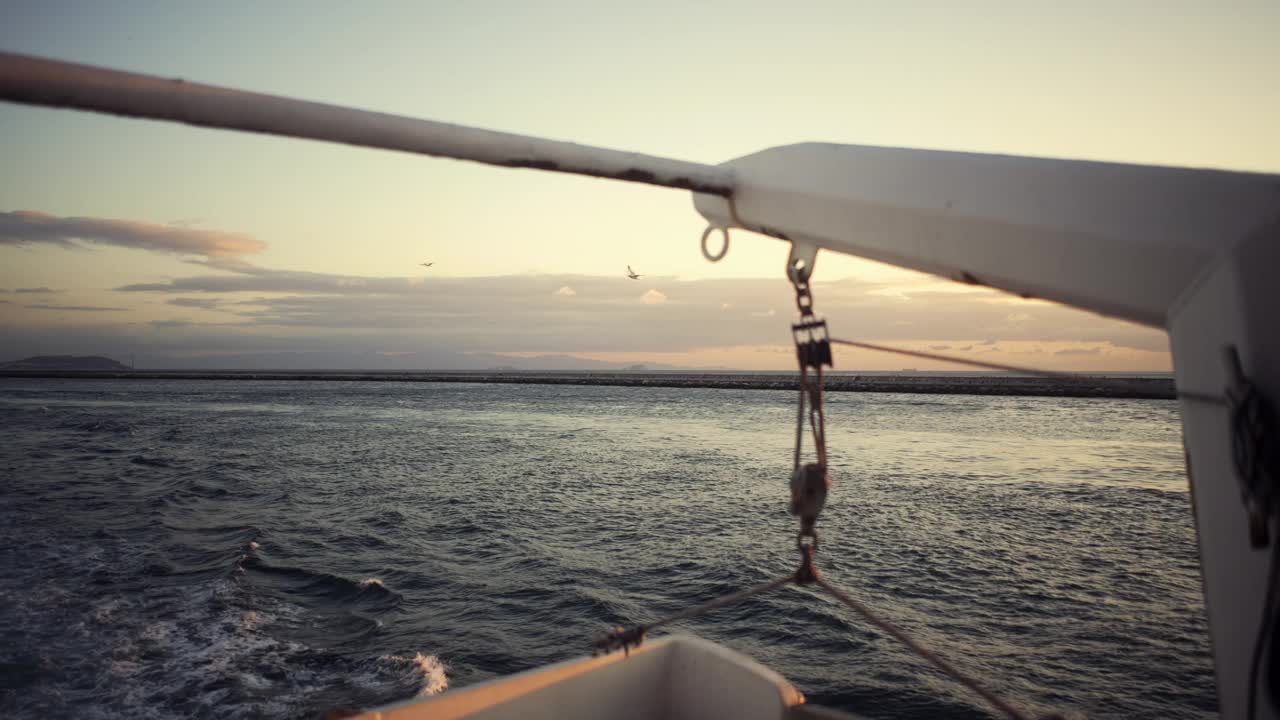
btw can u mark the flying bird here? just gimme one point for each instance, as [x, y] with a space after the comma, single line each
[427, 264]
[632, 273]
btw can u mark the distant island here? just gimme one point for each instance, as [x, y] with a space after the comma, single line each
[81, 363]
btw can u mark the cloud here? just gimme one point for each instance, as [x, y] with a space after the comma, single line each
[250, 278]
[528, 313]
[37, 290]
[1079, 351]
[76, 308]
[939, 347]
[202, 303]
[27, 226]
[566, 291]
[653, 297]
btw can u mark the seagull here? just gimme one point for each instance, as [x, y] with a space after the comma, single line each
[427, 264]
[632, 273]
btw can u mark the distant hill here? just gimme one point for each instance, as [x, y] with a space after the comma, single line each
[65, 362]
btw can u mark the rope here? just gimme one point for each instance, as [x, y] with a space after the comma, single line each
[818, 418]
[800, 417]
[808, 494]
[625, 639]
[722, 602]
[1116, 383]
[620, 638]
[950, 670]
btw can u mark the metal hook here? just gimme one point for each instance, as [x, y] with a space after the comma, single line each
[800, 262]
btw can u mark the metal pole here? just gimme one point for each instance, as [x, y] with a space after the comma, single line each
[37, 81]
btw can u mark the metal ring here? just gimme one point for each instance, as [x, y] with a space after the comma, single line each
[724, 250]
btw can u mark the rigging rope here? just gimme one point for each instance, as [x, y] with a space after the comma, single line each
[947, 668]
[1116, 383]
[809, 485]
[1257, 465]
[624, 639]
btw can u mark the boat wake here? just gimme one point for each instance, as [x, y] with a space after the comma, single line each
[145, 642]
[427, 667]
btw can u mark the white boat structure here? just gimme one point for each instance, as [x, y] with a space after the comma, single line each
[1193, 251]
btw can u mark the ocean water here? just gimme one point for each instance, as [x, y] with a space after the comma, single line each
[287, 549]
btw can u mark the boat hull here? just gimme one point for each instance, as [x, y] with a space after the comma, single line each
[673, 678]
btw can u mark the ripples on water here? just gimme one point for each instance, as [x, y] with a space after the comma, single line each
[241, 549]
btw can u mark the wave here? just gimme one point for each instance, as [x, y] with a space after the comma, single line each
[317, 587]
[434, 680]
[150, 461]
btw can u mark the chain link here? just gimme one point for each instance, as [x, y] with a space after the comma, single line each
[809, 481]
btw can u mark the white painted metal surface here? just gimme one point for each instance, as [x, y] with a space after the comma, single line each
[675, 678]
[1122, 240]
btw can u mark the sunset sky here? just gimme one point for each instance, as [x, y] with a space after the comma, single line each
[134, 238]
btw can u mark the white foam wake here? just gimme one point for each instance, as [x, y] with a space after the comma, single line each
[429, 668]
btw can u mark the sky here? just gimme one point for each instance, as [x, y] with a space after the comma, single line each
[161, 242]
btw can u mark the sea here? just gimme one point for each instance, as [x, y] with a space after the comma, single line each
[300, 549]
